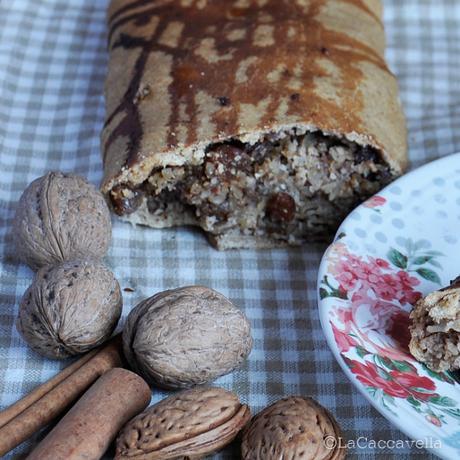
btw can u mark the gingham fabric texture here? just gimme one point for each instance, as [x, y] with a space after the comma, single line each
[52, 68]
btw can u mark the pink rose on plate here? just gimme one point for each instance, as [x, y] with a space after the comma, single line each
[370, 375]
[345, 316]
[418, 386]
[433, 419]
[347, 279]
[344, 341]
[351, 269]
[375, 202]
[394, 383]
[406, 293]
[378, 263]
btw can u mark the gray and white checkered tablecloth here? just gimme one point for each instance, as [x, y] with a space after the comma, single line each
[52, 68]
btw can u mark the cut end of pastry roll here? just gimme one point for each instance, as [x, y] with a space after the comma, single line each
[264, 123]
[435, 329]
[277, 189]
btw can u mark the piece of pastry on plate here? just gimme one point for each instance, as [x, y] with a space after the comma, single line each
[435, 329]
[262, 122]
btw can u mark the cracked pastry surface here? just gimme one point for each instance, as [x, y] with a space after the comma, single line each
[264, 123]
[435, 329]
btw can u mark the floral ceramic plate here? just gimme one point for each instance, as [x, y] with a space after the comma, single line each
[394, 248]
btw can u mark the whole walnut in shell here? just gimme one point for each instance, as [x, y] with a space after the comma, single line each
[70, 308]
[185, 337]
[61, 217]
[294, 428]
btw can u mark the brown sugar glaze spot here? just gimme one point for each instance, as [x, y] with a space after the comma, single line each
[192, 73]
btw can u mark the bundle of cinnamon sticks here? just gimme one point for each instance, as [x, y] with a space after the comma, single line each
[51, 399]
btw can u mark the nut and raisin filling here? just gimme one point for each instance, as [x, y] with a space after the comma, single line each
[288, 186]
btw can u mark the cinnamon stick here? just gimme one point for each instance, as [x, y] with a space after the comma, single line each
[27, 417]
[15, 409]
[87, 430]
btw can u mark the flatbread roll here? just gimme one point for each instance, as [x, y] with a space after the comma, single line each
[264, 122]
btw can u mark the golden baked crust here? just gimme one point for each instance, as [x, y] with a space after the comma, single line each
[204, 83]
[185, 73]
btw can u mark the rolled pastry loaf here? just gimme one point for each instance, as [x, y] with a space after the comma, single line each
[264, 122]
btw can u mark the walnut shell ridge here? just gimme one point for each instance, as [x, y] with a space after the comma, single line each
[293, 428]
[187, 425]
[70, 308]
[61, 217]
[186, 336]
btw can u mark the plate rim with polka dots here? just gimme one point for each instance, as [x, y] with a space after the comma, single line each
[392, 249]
